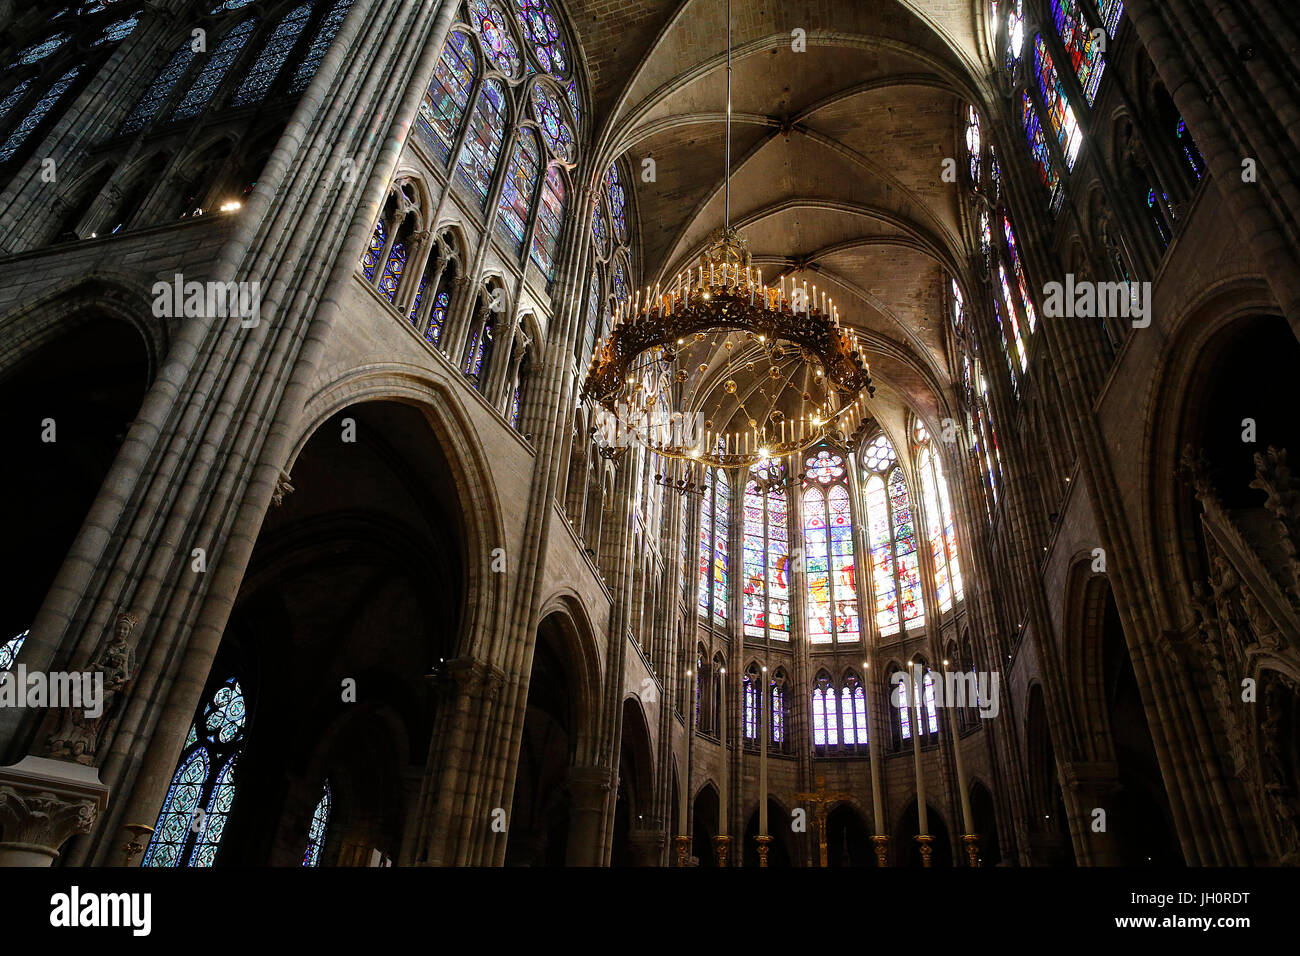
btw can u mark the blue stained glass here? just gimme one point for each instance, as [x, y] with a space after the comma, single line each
[270, 60]
[370, 259]
[229, 5]
[437, 317]
[480, 351]
[619, 280]
[550, 219]
[555, 130]
[617, 202]
[1015, 32]
[392, 276]
[593, 315]
[572, 91]
[490, 20]
[213, 72]
[751, 709]
[1156, 218]
[778, 713]
[444, 102]
[1194, 157]
[419, 294]
[39, 51]
[1112, 11]
[600, 232]
[217, 813]
[223, 720]
[514, 407]
[478, 157]
[9, 651]
[177, 815]
[516, 197]
[1042, 155]
[37, 114]
[14, 95]
[320, 819]
[905, 710]
[158, 90]
[541, 31]
[932, 713]
[320, 44]
[117, 30]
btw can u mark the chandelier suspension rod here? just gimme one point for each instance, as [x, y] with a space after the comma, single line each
[727, 161]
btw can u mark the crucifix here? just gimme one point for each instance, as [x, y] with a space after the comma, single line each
[820, 801]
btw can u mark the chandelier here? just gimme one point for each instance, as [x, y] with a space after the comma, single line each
[722, 368]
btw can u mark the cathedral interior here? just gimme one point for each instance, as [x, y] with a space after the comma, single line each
[650, 433]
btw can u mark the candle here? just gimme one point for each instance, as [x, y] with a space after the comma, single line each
[765, 736]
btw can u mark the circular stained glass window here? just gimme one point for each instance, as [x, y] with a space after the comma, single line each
[538, 22]
[490, 20]
[879, 455]
[550, 116]
[825, 467]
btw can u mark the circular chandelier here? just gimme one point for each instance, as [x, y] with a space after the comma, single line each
[721, 368]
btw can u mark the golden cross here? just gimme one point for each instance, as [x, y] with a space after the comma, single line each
[820, 800]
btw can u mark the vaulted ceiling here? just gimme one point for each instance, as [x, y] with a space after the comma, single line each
[837, 152]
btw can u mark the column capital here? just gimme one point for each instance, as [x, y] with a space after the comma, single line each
[43, 802]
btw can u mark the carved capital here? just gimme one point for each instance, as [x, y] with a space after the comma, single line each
[283, 488]
[43, 803]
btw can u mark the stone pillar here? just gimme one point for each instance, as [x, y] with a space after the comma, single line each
[1087, 786]
[43, 802]
[590, 788]
[647, 844]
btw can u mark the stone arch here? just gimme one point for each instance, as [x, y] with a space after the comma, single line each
[634, 799]
[480, 521]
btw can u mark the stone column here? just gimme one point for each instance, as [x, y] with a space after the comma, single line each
[43, 802]
[591, 789]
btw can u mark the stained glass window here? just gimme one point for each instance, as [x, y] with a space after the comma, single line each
[778, 712]
[320, 44]
[721, 528]
[940, 527]
[144, 110]
[1194, 157]
[213, 72]
[1059, 111]
[550, 117]
[1042, 155]
[9, 651]
[39, 51]
[370, 258]
[995, 172]
[541, 30]
[445, 100]
[619, 280]
[766, 553]
[117, 30]
[617, 203]
[478, 356]
[1026, 300]
[320, 820]
[1112, 11]
[550, 218]
[490, 20]
[437, 317]
[714, 513]
[572, 92]
[973, 144]
[1157, 219]
[826, 724]
[905, 709]
[478, 157]
[599, 231]
[392, 276]
[853, 711]
[932, 714]
[270, 60]
[1015, 32]
[515, 398]
[194, 813]
[11, 99]
[895, 570]
[832, 598]
[907, 564]
[37, 113]
[516, 197]
[593, 330]
[1019, 346]
[1082, 50]
[751, 708]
